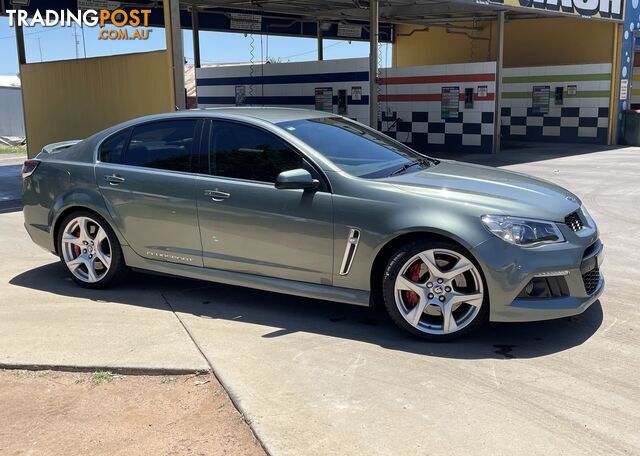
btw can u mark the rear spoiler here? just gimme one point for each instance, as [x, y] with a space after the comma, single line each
[57, 147]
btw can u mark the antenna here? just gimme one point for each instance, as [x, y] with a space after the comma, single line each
[40, 47]
[75, 38]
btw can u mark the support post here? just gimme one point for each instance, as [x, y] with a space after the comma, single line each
[373, 64]
[497, 116]
[320, 45]
[175, 50]
[614, 90]
[195, 26]
[22, 60]
[22, 56]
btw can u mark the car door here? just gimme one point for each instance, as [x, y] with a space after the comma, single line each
[144, 174]
[249, 226]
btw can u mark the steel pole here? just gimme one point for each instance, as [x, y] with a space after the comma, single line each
[497, 116]
[373, 64]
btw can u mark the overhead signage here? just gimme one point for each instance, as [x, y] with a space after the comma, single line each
[450, 102]
[600, 9]
[349, 30]
[98, 5]
[242, 21]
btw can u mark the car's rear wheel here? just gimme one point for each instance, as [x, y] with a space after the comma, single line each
[435, 290]
[90, 250]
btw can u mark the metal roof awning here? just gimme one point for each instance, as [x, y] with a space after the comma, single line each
[339, 19]
[422, 11]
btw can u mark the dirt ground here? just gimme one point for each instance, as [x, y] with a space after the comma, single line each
[53, 413]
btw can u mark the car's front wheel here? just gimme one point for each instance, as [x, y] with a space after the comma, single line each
[90, 250]
[435, 290]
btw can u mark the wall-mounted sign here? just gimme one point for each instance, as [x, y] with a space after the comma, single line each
[601, 9]
[624, 89]
[572, 90]
[450, 104]
[540, 99]
[483, 91]
[324, 99]
[356, 93]
[349, 30]
[241, 95]
[242, 21]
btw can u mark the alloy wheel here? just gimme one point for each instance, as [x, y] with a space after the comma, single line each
[86, 249]
[439, 291]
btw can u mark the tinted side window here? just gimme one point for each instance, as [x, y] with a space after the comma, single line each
[111, 150]
[248, 153]
[164, 145]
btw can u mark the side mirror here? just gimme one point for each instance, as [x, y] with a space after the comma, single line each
[296, 179]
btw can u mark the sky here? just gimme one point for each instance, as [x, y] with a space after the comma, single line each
[58, 43]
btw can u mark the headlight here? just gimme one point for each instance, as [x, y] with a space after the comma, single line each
[523, 232]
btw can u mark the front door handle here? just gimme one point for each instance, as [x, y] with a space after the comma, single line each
[114, 179]
[217, 195]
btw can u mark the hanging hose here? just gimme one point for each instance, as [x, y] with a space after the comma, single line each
[251, 65]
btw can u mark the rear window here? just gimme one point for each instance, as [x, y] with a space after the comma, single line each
[162, 145]
[112, 149]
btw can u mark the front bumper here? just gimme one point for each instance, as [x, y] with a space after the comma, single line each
[509, 269]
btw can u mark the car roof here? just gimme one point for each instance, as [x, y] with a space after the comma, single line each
[270, 114]
[265, 114]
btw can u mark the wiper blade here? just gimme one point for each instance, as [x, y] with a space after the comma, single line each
[406, 166]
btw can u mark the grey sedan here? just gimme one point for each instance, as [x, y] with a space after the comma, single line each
[316, 205]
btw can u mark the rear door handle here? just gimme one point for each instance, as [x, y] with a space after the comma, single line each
[114, 179]
[217, 195]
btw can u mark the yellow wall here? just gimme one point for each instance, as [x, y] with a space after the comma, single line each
[75, 98]
[531, 42]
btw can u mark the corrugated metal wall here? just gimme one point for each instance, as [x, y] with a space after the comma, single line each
[73, 99]
[11, 118]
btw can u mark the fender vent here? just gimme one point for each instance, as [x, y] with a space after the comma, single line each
[350, 251]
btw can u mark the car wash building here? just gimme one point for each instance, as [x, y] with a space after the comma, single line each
[464, 77]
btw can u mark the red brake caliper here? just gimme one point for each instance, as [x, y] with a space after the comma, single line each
[413, 274]
[76, 248]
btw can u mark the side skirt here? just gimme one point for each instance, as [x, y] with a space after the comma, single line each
[291, 287]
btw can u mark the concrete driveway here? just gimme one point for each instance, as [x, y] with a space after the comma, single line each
[321, 378]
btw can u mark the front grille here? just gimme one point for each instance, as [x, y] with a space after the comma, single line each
[574, 221]
[591, 280]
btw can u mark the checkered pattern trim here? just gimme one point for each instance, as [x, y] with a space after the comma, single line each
[583, 125]
[470, 132]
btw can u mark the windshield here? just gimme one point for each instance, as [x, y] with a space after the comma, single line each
[357, 150]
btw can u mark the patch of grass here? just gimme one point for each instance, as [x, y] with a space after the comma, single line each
[12, 149]
[102, 377]
[168, 380]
